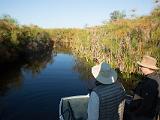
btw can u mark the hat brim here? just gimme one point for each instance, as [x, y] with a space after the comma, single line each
[147, 66]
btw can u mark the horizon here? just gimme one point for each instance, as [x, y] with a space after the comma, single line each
[52, 14]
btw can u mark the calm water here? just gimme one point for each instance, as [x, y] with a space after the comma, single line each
[32, 91]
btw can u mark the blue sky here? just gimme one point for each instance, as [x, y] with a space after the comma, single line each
[69, 13]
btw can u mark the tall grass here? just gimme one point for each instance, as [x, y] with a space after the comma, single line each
[120, 42]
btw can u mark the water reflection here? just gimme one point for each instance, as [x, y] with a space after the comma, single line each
[33, 88]
[38, 63]
[84, 69]
[11, 74]
[10, 77]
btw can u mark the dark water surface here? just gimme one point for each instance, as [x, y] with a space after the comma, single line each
[32, 91]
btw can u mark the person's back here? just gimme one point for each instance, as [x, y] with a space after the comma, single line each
[106, 101]
[111, 99]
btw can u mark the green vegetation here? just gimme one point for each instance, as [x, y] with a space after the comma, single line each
[115, 15]
[21, 41]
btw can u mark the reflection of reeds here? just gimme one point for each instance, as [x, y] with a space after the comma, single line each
[10, 77]
[38, 62]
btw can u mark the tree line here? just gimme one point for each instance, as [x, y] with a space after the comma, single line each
[20, 41]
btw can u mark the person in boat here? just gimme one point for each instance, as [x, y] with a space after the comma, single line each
[106, 101]
[145, 103]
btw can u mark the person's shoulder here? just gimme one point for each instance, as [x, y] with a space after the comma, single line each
[94, 95]
[151, 85]
[154, 76]
[152, 81]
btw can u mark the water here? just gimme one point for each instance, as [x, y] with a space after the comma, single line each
[32, 91]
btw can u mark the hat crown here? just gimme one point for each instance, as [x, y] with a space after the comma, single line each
[104, 73]
[149, 60]
[105, 70]
[105, 67]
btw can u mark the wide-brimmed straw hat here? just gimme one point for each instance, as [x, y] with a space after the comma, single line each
[148, 62]
[104, 73]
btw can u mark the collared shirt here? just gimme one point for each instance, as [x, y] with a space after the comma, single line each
[93, 106]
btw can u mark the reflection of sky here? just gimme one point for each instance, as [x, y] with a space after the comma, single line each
[38, 96]
[69, 13]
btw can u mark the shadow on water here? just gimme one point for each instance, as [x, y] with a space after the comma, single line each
[10, 77]
[11, 74]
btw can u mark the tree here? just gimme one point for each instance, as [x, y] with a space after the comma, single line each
[157, 3]
[115, 15]
[9, 19]
[133, 15]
